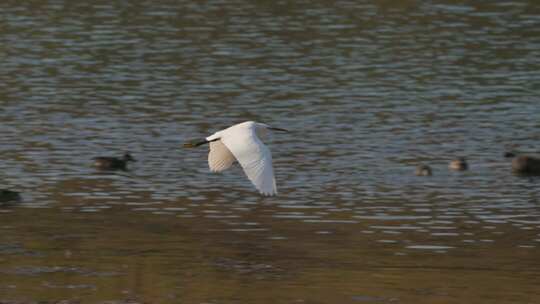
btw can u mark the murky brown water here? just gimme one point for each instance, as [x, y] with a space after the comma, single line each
[370, 90]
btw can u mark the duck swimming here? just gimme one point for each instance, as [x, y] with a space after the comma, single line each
[458, 164]
[7, 196]
[526, 165]
[423, 170]
[113, 163]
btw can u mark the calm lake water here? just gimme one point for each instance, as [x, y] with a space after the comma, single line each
[370, 89]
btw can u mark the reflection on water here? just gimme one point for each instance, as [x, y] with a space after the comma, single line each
[370, 90]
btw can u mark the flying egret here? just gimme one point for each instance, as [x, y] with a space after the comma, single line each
[242, 142]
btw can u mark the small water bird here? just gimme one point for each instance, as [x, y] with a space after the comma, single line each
[423, 170]
[509, 154]
[242, 143]
[7, 196]
[458, 164]
[524, 164]
[113, 163]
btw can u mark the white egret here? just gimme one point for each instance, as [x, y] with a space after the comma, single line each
[242, 142]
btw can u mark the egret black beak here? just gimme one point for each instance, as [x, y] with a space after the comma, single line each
[195, 143]
[278, 129]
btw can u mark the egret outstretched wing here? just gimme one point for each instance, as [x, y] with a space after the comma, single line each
[255, 158]
[219, 158]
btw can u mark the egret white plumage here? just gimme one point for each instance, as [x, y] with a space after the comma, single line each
[242, 142]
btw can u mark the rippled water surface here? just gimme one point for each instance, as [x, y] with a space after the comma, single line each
[369, 89]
